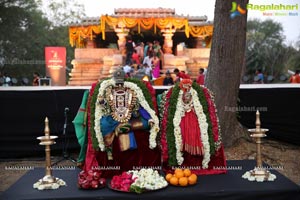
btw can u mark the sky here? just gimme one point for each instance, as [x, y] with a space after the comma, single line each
[291, 24]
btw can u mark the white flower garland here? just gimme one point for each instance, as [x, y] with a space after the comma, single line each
[99, 114]
[179, 113]
[155, 128]
[202, 121]
[140, 96]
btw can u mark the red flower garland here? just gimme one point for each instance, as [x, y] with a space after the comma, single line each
[164, 127]
[212, 113]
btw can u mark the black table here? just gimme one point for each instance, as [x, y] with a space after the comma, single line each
[224, 186]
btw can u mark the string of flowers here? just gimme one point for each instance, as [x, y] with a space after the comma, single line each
[173, 93]
[141, 95]
[202, 98]
[214, 118]
[155, 128]
[201, 95]
[91, 110]
[163, 105]
[99, 112]
[202, 121]
[179, 113]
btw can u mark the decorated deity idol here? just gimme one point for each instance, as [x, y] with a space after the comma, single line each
[122, 126]
[190, 134]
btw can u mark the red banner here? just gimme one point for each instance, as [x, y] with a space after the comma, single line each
[55, 58]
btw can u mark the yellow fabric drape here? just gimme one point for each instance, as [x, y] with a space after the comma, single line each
[79, 33]
[145, 23]
[197, 31]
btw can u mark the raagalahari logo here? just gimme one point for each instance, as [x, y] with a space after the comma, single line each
[266, 9]
[236, 10]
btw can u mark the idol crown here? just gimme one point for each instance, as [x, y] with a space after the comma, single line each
[119, 76]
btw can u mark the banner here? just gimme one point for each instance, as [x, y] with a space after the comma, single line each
[55, 58]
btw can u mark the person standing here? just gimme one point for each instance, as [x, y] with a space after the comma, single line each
[180, 75]
[148, 60]
[36, 79]
[156, 67]
[201, 77]
[168, 80]
[260, 76]
[135, 57]
[296, 77]
[129, 48]
[7, 80]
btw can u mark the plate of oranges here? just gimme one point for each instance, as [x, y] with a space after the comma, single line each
[181, 177]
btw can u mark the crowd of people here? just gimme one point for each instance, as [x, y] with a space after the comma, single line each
[6, 80]
[147, 59]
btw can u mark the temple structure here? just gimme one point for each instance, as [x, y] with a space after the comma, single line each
[100, 42]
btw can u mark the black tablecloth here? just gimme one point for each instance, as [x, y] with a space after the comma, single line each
[224, 186]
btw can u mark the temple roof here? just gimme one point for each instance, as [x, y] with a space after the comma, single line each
[145, 13]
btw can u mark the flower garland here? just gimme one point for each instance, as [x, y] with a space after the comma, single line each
[170, 110]
[99, 112]
[179, 113]
[91, 114]
[170, 142]
[214, 118]
[163, 105]
[155, 128]
[143, 99]
[204, 102]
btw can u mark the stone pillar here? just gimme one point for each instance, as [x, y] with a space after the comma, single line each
[122, 33]
[168, 42]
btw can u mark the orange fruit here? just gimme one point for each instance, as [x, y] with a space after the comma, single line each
[173, 180]
[168, 177]
[183, 181]
[178, 170]
[192, 179]
[179, 174]
[187, 172]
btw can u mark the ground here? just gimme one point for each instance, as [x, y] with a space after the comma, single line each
[281, 156]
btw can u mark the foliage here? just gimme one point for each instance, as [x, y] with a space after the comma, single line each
[62, 12]
[26, 30]
[21, 35]
[266, 49]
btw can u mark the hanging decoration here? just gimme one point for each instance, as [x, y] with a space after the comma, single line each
[79, 34]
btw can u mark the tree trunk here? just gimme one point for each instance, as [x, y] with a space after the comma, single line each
[225, 66]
